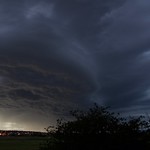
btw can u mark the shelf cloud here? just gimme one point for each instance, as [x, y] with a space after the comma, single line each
[57, 55]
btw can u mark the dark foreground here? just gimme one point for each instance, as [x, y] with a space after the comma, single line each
[99, 129]
[20, 143]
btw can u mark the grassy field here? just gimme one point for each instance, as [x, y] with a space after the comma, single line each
[20, 143]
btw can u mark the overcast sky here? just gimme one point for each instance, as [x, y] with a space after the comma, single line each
[59, 55]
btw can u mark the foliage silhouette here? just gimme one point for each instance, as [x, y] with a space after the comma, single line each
[98, 129]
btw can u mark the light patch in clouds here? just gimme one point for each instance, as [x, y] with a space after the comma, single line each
[145, 57]
[4, 29]
[40, 9]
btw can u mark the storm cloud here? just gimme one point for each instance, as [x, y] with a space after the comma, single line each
[124, 59]
[60, 55]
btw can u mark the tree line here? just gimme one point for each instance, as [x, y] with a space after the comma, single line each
[99, 129]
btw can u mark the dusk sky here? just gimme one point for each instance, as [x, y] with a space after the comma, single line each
[59, 55]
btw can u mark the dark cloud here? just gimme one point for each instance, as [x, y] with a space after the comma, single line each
[40, 90]
[124, 74]
[57, 55]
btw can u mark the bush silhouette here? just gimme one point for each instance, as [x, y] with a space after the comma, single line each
[98, 129]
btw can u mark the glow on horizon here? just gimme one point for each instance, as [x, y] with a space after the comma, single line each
[10, 126]
[16, 126]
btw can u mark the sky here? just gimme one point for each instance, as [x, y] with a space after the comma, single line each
[60, 55]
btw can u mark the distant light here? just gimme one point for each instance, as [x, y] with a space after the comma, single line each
[10, 126]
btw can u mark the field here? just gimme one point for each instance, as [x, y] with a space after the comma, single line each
[20, 143]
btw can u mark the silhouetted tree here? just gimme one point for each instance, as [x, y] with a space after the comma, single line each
[98, 129]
